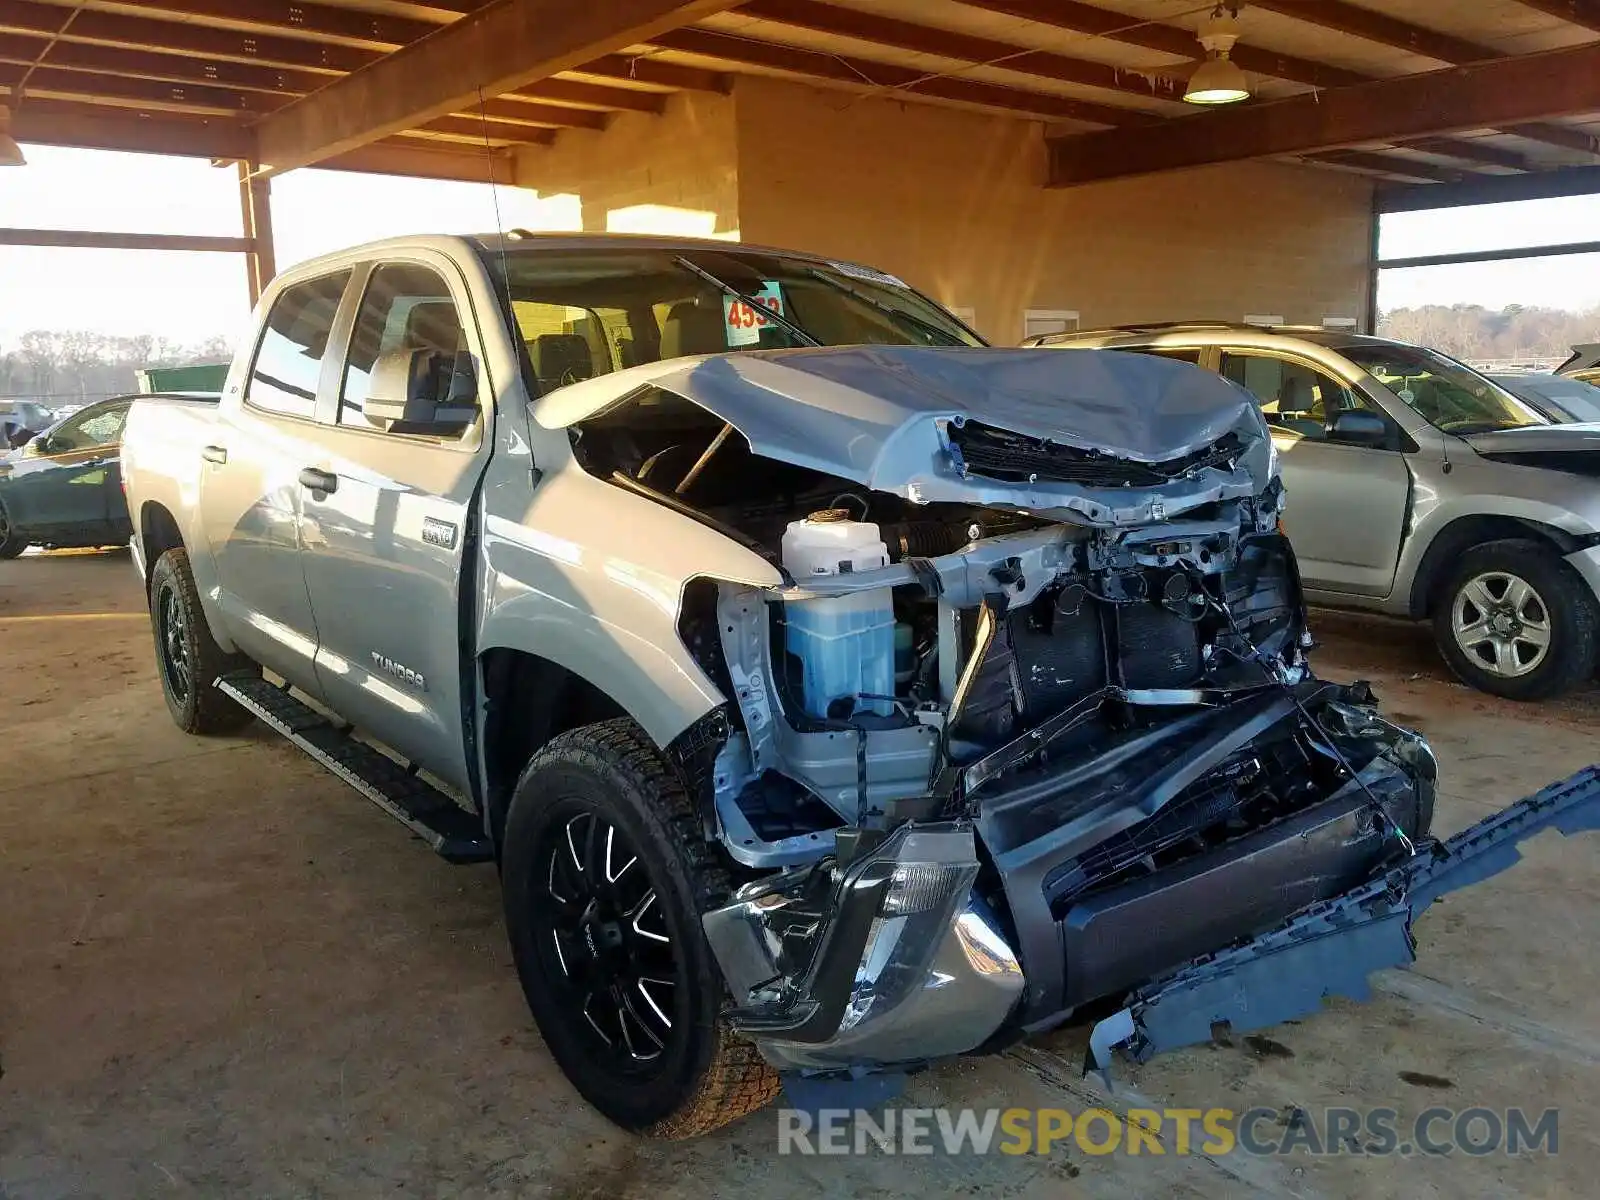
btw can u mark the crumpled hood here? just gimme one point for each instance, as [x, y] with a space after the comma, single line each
[880, 415]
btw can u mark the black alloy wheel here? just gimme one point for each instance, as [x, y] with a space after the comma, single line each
[604, 941]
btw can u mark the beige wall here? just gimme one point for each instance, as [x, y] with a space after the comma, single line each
[683, 164]
[952, 202]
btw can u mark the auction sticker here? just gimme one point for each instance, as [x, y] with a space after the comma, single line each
[744, 323]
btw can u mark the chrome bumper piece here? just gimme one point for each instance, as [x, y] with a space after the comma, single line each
[885, 960]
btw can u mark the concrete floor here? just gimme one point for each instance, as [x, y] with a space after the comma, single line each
[222, 973]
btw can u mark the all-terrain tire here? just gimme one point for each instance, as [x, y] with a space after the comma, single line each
[706, 1075]
[12, 543]
[1571, 616]
[188, 659]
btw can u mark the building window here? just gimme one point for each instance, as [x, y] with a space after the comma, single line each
[1037, 322]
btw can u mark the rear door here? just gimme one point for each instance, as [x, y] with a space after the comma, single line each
[1347, 504]
[250, 480]
[383, 547]
[67, 483]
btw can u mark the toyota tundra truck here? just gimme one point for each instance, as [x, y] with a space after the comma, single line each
[834, 694]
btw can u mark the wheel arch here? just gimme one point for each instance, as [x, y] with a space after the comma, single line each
[159, 532]
[529, 699]
[1463, 533]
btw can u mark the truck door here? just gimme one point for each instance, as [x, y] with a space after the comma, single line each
[383, 538]
[1347, 502]
[250, 481]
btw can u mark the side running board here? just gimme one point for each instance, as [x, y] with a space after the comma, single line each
[454, 833]
[1329, 948]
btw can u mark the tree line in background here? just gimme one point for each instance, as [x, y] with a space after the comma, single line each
[68, 367]
[1470, 331]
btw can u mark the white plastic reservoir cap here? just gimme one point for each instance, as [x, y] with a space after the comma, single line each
[831, 543]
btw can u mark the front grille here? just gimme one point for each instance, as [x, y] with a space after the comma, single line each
[980, 449]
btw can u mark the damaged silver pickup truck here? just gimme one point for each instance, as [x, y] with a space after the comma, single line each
[836, 694]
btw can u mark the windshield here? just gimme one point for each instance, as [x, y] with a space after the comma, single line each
[584, 313]
[1448, 395]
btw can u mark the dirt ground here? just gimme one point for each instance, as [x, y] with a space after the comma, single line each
[224, 974]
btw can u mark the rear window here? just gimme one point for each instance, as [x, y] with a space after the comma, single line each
[288, 364]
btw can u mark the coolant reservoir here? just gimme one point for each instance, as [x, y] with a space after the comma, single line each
[845, 643]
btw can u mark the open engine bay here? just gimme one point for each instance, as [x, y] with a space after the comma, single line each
[1025, 723]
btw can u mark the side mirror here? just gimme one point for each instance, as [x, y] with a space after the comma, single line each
[1356, 427]
[39, 446]
[423, 391]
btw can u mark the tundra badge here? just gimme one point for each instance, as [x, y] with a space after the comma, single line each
[400, 671]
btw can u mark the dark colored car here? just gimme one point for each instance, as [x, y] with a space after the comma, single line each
[1560, 399]
[64, 487]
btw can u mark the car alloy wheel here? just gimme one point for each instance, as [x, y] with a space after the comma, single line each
[604, 941]
[174, 641]
[1501, 624]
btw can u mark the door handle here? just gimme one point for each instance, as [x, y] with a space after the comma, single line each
[216, 454]
[319, 480]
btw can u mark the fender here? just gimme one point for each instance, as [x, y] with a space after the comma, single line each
[591, 577]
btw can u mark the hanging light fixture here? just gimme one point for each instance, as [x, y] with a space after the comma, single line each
[10, 152]
[1218, 80]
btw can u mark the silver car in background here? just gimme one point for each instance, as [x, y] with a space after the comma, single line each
[1419, 488]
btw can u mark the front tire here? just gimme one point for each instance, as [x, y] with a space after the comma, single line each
[1513, 620]
[188, 659]
[12, 543]
[605, 873]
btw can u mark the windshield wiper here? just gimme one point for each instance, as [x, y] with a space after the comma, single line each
[927, 328]
[727, 289]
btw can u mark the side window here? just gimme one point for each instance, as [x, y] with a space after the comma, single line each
[406, 307]
[97, 427]
[1293, 396]
[288, 362]
[1177, 353]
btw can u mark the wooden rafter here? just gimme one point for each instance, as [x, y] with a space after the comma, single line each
[1578, 12]
[849, 69]
[1373, 26]
[503, 46]
[1388, 164]
[118, 62]
[1174, 39]
[120, 30]
[1508, 90]
[927, 39]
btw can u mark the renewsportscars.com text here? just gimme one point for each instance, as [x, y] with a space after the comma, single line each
[1378, 1132]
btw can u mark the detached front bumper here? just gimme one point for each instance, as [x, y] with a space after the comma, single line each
[1330, 948]
[885, 960]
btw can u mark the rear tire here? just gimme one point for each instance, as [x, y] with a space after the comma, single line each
[188, 659]
[12, 543]
[1513, 620]
[605, 872]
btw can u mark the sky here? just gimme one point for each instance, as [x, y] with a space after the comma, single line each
[192, 296]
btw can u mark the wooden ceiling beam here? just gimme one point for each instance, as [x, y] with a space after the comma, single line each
[1388, 164]
[1174, 39]
[1469, 150]
[92, 27]
[51, 122]
[286, 84]
[1372, 26]
[1166, 39]
[506, 45]
[843, 68]
[422, 159]
[1584, 13]
[926, 39]
[1403, 35]
[637, 68]
[1530, 87]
